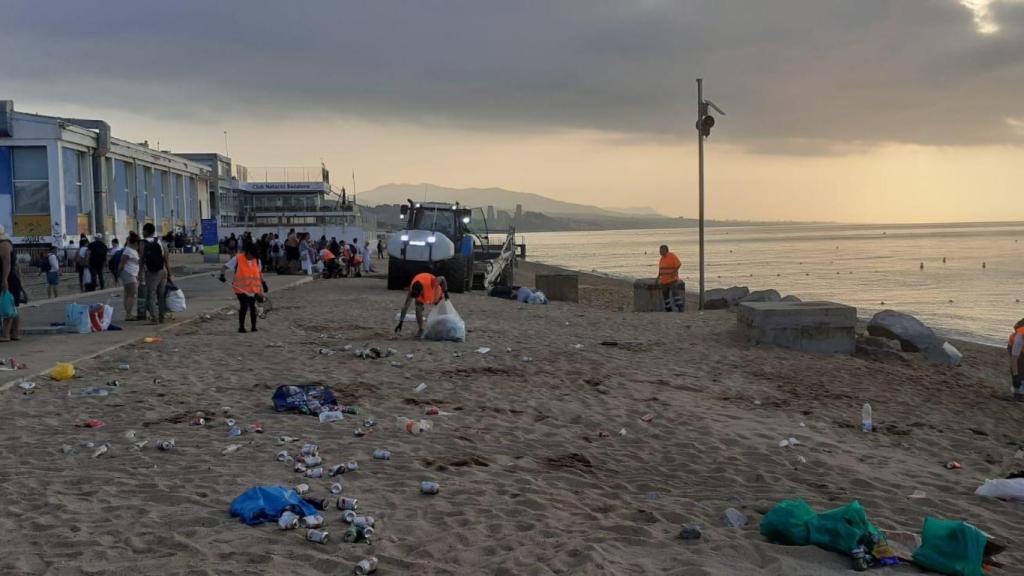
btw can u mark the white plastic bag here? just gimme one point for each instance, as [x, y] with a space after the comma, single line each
[537, 297]
[1012, 489]
[444, 323]
[175, 300]
[86, 277]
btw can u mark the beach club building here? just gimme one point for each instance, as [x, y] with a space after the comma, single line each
[61, 177]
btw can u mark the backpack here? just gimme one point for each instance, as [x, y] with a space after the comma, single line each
[153, 255]
[115, 261]
[44, 263]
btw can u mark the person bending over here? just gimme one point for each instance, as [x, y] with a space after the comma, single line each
[425, 289]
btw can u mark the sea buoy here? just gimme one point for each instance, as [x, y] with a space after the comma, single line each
[982, 265]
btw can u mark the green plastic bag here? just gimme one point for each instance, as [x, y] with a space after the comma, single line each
[841, 530]
[951, 547]
[787, 523]
[7, 307]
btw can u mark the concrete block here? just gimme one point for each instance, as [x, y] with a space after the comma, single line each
[562, 287]
[647, 295]
[811, 326]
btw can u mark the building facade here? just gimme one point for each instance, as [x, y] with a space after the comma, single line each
[61, 177]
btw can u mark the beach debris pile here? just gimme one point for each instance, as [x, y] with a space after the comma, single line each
[373, 352]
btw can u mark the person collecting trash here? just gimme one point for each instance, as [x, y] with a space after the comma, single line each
[1014, 347]
[424, 289]
[247, 283]
[668, 277]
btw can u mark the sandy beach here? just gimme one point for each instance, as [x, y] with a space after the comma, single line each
[545, 463]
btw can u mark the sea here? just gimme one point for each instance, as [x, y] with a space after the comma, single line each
[966, 281]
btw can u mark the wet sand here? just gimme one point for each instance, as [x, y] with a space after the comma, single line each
[529, 482]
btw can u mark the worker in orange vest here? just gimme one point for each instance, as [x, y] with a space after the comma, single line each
[1014, 347]
[424, 289]
[668, 279]
[247, 283]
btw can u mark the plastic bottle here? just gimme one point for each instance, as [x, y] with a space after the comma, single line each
[331, 416]
[866, 423]
[414, 427]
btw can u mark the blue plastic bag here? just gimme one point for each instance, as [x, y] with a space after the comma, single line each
[306, 398]
[7, 307]
[267, 503]
[76, 319]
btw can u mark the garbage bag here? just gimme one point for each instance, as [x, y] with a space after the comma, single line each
[175, 298]
[305, 398]
[444, 323]
[76, 319]
[1012, 489]
[523, 294]
[787, 523]
[951, 547]
[842, 529]
[62, 371]
[537, 297]
[7, 307]
[263, 503]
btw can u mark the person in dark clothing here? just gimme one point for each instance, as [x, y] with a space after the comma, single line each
[232, 244]
[380, 249]
[97, 259]
[322, 243]
[334, 247]
[10, 281]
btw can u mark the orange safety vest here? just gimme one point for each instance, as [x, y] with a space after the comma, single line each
[326, 255]
[248, 279]
[668, 269]
[431, 288]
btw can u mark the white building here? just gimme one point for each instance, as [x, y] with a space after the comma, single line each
[60, 177]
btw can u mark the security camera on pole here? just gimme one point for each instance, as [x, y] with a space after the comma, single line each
[705, 122]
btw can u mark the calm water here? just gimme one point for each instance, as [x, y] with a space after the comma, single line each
[860, 265]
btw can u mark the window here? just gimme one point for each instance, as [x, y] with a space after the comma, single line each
[31, 180]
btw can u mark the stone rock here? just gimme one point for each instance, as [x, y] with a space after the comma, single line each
[763, 296]
[913, 335]
[722, 298]
[946, 354]
[791, 298]
[690, 532]
[878, 343]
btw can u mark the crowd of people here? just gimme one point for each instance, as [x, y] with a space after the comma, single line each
[298, 252]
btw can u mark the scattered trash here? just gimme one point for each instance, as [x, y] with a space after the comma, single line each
[230, 449]
[124, 367]
[757, 402]
[288, 520]
[603, 434]
[268, 503]
[409, 356]
[302, 489]
[286, 439]
[428, 487]
[508, 349]
[381, 454]
[866, 423]
[788, 442]
[415, 427]
[953, 465]
[578, 346]
[26, 385]
[955, 547]
[311, 461]
[801, 459]
[283, 456]
[325, 351]
[432, 411]
[255, 428]
[1012, 489]
[234, 432]
[299, 468]
[735, 518]
[67, 449]
[690, 532]
[130, 434]
[306, 399]
[103, 449]
[315, 473]
[918, 494]
[647, 418]
[526, 359]
[622, 432]
[313, 521]
[366, 566]
[420, 387]
[152, 340]
[93, 423]
[310, 449]
[359, 432]
[331, 416]
[396, 364]
[483, 350]
[348, 504]
[92, 391]
[336, 488]
[113, 383]
[372, 353]
[62, 371]
[140, 445]
[229, 422]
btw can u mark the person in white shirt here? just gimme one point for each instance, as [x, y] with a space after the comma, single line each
[52, 273]
[128, 272]
[80, 263]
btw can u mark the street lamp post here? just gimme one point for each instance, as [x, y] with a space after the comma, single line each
[705, 122]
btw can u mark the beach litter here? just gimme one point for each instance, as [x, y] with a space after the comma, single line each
[318, 536]
[91, 391]
[325, 352]
[366, 566]
[415, 427]
[382, 454]
[165, 445]
[1003, 489]
[955, 547]
[305, 399]
[152, 340]
[26, 385]
[790, 442]
[409, 356]
[103, 449]
[918, 494]
[444, 323]
[690, 532]
[62, 371]
[268, 503]
[336, 488]
[622, 432]
[420, 387]
[67, 448]
[328, 416]
[230, 449]
[735, 518]
[578, 346]
[93, 423]
[647, 418]
[483, 350]
[953, 465]
[429, 488]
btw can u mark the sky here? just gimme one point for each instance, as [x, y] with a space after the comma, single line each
[838, 110]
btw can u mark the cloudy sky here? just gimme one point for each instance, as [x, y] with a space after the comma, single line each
[847, 110]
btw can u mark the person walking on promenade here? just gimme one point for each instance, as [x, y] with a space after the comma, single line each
[380, 249]
[668, 278]
[247, 283]
[10, 281]
[52, 273]
[425, 289]
[158, 274]
[367, 257]
[1014, 348]
[128, 272]
[97, 260]
[80, 261]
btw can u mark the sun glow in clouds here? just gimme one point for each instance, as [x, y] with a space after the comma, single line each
[983, 19]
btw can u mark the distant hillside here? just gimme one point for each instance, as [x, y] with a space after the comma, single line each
[500, 198]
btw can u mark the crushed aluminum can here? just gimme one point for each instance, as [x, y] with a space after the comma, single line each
[336, 488]
[165, 445]
[366, 531]
[359, 432]
[315, 473]
[234, 432]
[302, 489]
[348, 504]
[336, 470]
[347, 409]
[953, 465]
[283, 456]
[348, 516]
[318, 503]
[310, 450]
[351, 535]
[351, 466]
[288, 520]
[366, 566]
[318, 536]
[363, 521]
[229, 422]
[427, 487]
[300, 467]
[311, 461]
[199, 419]
[381, 454]
[369, 423]
[313, 521]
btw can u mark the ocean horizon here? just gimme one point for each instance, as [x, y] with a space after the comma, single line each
[968, 288]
